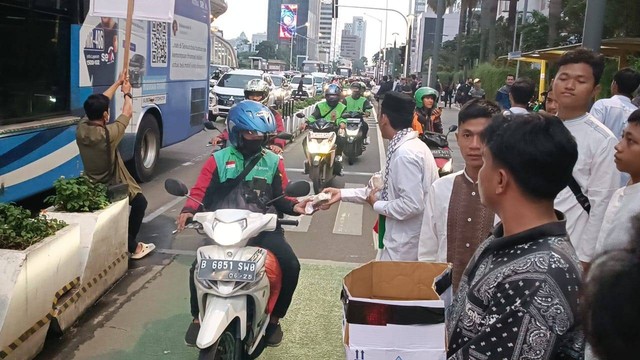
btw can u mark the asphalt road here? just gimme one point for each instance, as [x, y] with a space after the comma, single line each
[147, 309]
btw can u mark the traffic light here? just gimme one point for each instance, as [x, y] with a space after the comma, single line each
[334, 9]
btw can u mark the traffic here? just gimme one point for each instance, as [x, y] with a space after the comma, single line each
[173, 188]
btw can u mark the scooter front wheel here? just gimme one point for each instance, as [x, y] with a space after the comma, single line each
[314, 174]
[228, 347]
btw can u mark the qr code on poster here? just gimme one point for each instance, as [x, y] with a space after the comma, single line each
[159, 43]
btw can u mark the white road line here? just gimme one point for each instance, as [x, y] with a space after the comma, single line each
[161, 210]
[349, 216]
[382, 154]
[355, 173]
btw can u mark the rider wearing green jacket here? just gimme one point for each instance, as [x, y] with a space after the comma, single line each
[357, 103]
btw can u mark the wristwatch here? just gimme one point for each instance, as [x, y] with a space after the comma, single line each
[129, 95]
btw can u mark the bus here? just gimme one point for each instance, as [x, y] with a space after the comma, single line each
[311, 66]
[55, 55]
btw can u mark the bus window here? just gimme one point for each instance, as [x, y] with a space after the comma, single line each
[34, 59]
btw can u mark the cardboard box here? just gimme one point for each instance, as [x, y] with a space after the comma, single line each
[396, 310]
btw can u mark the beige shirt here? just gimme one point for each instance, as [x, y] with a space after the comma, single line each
[92, 143]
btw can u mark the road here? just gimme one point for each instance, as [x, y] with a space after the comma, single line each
[146, 313]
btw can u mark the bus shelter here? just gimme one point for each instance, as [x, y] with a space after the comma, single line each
[617, 48]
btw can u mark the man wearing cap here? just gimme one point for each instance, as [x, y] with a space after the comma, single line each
[398, 192]
[477, 92]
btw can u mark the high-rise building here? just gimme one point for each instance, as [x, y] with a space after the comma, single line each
[360, 29]
[326, 31]
[256, 39]
[350, 45]
[306, 40]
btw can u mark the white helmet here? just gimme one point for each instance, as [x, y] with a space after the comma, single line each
[257, 87]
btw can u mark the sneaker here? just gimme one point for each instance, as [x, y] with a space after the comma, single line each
[339, 158]
[367, 141]
[192, 334]
[273, 335]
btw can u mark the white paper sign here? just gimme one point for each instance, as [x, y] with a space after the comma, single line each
[154, 10]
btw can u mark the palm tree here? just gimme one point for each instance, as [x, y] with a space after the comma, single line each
[513, 14]
[555, 11]
[463, 28]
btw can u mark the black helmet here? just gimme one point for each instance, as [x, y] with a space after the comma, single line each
[332, 94]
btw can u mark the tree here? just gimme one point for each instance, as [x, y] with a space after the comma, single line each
[513, 14]
[555, 14]
[266, 50]
[364, 60]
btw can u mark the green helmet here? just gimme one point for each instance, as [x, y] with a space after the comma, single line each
[425, 91]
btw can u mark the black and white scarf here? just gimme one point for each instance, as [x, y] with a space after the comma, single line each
[393, 146]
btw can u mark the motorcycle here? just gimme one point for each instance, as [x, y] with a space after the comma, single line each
[352, 135]
[237, 286]
[320, 150]
[439, 146]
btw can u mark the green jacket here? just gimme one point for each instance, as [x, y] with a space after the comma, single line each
[355, 104]
[323, 110]
[230, 163]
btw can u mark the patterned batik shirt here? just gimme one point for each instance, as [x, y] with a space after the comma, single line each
[518, 298]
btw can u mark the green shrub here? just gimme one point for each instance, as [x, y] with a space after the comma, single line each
[18, 230]
[78, 195]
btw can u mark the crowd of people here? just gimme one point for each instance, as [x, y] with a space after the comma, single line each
[542, 226]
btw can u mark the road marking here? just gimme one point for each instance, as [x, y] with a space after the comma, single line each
[381, 152]
[161, 210]
[353, 173]
[349, 216]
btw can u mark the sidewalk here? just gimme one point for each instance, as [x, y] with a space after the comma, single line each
[152, 322]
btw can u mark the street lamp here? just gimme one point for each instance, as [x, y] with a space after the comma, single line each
[380, 21]
[295, 32]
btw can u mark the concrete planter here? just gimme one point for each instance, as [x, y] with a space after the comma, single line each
[103, 257]
[31, 281]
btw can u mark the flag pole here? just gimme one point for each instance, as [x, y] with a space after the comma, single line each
[127, 35]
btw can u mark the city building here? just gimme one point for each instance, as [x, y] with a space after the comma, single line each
[305, 43]
[350, 45]
[423, 31]
[256, 39]
[360, 29]
[241, 43]
[326, 31]
[532, 5]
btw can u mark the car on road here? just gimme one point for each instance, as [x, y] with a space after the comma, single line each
[230, 90]
[308, 83]
[281, 89]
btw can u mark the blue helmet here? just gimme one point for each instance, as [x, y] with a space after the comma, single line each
[249, 115]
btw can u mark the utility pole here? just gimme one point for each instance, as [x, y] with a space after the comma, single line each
[524, 18]
[437, 44]
[593, 24]
[386, 30]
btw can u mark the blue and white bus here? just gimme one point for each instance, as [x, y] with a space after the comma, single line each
[54, 56]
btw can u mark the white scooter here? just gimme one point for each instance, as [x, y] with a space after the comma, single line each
[231, 279]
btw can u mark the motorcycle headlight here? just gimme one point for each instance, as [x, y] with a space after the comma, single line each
[319, 148]
[448, 167]
[227, 234]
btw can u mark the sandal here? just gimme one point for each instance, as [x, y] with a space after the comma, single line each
[146, 249]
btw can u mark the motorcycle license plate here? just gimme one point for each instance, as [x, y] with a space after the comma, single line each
[227, 270]
[441, 153]
[320, 135]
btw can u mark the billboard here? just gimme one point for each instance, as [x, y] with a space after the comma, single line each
[288, 21]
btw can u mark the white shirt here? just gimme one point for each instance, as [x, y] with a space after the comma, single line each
[614, 113]
[433, 236]
[598, 178]
[413, 170]
[516, 110]
[616, 227]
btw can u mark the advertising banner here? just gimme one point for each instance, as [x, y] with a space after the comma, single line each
[154, 10]
[288, 20]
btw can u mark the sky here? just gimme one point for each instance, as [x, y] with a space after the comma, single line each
[250, 16]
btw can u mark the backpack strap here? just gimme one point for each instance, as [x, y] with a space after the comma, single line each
[583, 200]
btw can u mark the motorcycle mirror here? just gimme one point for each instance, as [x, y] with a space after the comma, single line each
[453, 128]
[297, 189]
[284, 136]
[176, 187]
[300, 115]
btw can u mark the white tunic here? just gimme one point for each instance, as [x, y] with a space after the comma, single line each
[616, 227]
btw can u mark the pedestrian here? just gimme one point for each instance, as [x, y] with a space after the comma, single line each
[448, 94]
[519, 294]
[227, 182]
[522, 90]
[625, 202]
[502, 95]
[98, 142]
[477, 92]
[611, 298]
[595, 176]
[414, 84]
[614, 111]
[455, 222]
[300, 91]
[399, 198]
